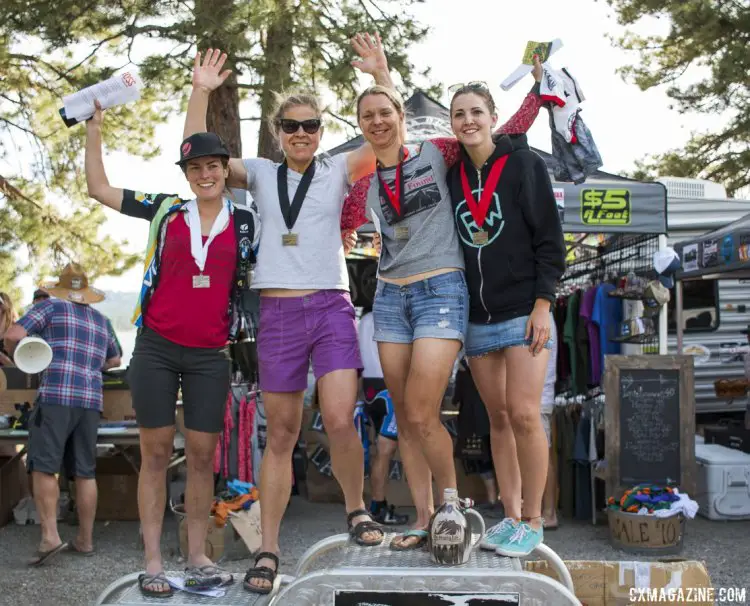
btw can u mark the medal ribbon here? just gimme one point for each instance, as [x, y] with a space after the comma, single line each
[480, 209]
[291, 212]
[198, 250]
[395, 197]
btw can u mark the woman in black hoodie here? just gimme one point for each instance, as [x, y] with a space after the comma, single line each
[512, 239]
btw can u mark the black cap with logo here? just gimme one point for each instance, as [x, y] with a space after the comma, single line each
[200, 145]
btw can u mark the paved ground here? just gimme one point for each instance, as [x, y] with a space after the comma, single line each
[725, 547]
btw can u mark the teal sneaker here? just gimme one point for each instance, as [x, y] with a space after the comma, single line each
[522, 542]
[496, 535]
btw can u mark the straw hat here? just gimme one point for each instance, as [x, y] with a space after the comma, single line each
[73, 285]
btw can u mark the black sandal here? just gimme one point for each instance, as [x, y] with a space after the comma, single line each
[145, 579]
[262, 572]
[360, 529]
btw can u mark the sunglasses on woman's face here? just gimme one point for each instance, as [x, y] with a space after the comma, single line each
[292, 126]
[468, 86]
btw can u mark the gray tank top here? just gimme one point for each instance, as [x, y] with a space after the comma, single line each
[425, 239]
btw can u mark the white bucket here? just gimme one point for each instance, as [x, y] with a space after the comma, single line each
[32, 355]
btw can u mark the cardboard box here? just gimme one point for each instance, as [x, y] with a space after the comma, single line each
[117, 482]
[117, 405]
[599, 583]
[621, 577]
[588, 578]
[217, 539]
[13, 486]
[11, 397]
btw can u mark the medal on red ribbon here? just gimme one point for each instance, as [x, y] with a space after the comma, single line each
[480, 209]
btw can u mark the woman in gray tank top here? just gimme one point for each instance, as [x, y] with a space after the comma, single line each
[306, 314]
[421, 301]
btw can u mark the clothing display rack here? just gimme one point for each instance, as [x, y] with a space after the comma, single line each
[599, 311]
[242, 440]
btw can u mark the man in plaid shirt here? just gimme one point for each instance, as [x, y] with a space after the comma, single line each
[63, 425]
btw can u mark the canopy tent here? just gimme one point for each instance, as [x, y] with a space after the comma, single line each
[606, 203]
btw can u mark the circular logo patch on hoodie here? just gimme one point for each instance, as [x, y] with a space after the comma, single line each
[467, 227]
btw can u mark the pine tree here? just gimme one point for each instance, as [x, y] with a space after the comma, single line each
[45, 54]
[714, 36]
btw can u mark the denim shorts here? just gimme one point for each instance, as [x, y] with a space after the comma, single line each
[484, 338]
[436, 308]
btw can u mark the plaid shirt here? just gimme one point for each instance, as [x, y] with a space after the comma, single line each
[81, 342]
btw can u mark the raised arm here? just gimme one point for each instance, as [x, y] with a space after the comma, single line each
[128, 202]
[521, 121]
[354, 212]
[361, 162]
[207, 77]
[96, 178]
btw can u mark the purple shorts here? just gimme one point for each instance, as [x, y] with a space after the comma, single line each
[294, 330]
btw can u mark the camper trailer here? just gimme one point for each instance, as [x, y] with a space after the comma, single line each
[714, 310]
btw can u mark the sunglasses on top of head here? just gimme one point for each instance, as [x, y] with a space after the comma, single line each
[290, 126]
[468, 86]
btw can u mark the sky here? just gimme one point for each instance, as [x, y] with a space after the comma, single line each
[474, 40]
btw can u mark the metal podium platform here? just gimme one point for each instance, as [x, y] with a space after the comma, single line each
[338, 566]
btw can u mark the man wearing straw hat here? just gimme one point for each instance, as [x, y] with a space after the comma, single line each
[63, 425]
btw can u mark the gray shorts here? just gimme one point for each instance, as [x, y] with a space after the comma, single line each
[63, 439]
[159, 368]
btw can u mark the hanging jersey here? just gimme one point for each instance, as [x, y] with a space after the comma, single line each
[561, 90]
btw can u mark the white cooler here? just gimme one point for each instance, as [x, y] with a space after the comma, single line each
[722, 482]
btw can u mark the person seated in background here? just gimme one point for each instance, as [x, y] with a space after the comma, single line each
[7, 317]
[379, 408]
[65, 419]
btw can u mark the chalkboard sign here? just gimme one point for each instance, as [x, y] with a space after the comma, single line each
[649, 421]
[649, 426]
[423, 598]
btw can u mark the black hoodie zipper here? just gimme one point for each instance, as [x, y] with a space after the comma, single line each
[501, 148]
[479, 256]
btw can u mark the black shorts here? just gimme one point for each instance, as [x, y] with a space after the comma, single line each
[379, 408]
[63, 439]
[160, 367]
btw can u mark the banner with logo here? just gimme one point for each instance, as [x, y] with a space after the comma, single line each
[612, 207]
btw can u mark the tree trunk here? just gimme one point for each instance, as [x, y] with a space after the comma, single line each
[276, 74]
[223, 116]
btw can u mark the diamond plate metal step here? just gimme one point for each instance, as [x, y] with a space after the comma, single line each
[125, 592]
[338, 562]
[382, 556]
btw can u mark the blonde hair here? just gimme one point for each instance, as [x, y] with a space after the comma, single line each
[285, 101]
[8, 313]
[389, 93]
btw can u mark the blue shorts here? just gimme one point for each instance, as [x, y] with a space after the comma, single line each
[433, 308]
[482, 339]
